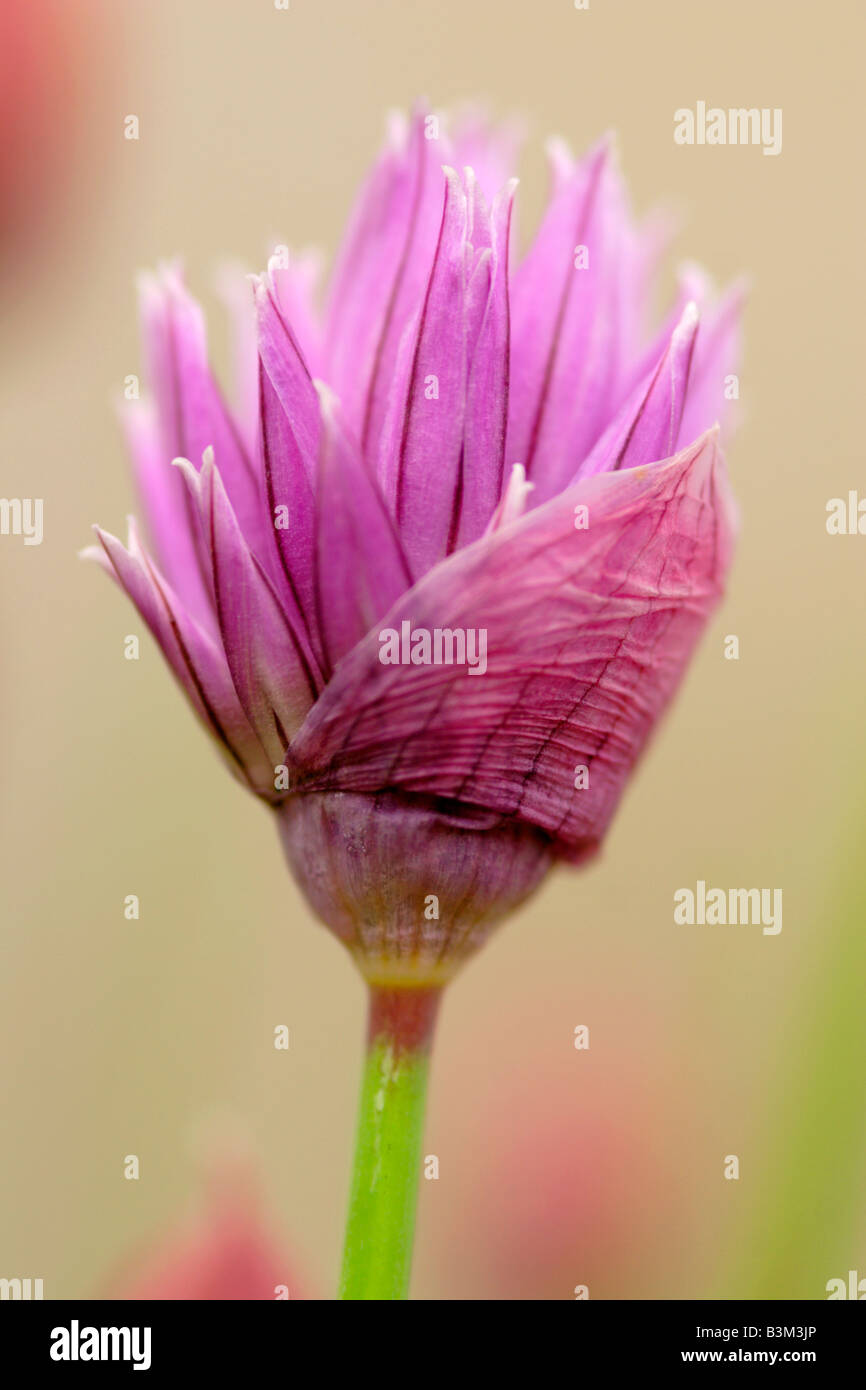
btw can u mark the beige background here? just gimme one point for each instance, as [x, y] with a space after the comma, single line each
[119, 1037]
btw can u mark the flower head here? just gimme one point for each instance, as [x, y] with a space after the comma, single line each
[434, 577]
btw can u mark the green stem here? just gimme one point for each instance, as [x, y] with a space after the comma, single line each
[378, 1253]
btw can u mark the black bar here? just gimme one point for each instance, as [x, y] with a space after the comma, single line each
[227, 1338]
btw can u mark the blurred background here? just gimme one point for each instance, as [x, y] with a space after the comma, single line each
[557, 1166]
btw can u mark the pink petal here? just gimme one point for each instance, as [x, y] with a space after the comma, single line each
[197, 662]
[515, 499]
[274, 672]
[648, 426]
[295, 288]
[171, 525]
[290, 378]
[233, 286]
[487, 391]
[361, 282]
[641, 249]
[291, 501]
[717, 356]
[489, 148]
[191, 412]
[381, 274]
[563, 330]
[361, 567]
[691, 287]
[426, 497]
[291, 430]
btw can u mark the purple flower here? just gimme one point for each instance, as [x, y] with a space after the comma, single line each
[434, 577]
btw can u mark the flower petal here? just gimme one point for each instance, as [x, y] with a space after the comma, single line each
[295, 290]
[515, 499]
[361, 568]
[483, 462]
[274, 672]
[291, 430]
[381, 274]
[648, 426]
[191, 411]
[292, 505]
[490, 149]
[290, 377]
[563, 329]
[197, 662]
[425, 484]
[233, 287]
[171, 526]
[717, 357]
